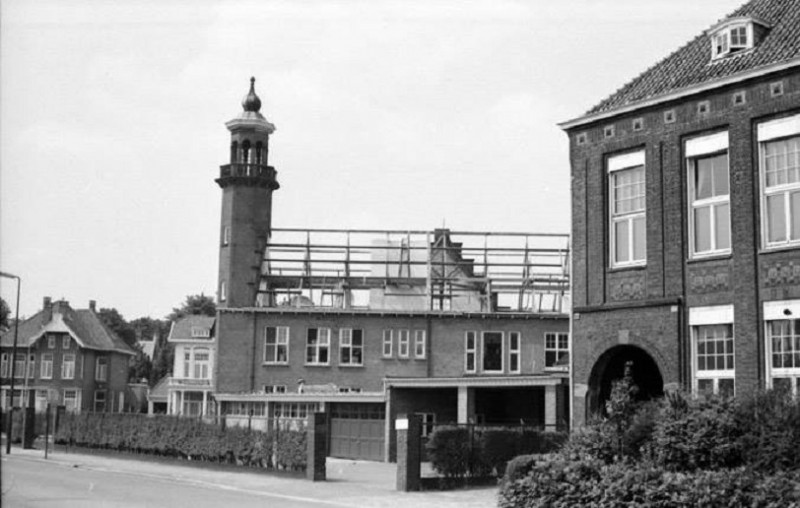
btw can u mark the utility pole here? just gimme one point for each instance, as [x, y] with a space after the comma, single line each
[10, 411]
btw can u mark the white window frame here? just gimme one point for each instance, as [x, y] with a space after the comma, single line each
[722, 41]
[76, 398]
[557, 350]
[428, 423]
[4, 373]
[101, 368]
[319, 346]
[201, 369]
[223, 291]
[514, 353]
[201, 332]
[420, 344]
[226, 235]
[776, 131]
[66, 371]
[699, 317]
[633, 161]
[46, 367]
[470, 352]
[697, 149]
[346, 343]
[31, 366]
[281, 342]
[403, 346]
[502, 352]
[782, 310]
[388, 341]
[20, 365]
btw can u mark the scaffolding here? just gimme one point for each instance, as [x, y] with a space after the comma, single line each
[439, 270]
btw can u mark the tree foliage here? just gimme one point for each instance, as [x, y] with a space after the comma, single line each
[194, 305]
[5, 312]
[117, 324]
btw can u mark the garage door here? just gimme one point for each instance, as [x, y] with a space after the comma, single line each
[357, 431]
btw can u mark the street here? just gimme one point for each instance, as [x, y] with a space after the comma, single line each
[75, 480]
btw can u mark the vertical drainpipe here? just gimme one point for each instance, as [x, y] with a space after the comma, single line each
[571, 390]
[253, 363]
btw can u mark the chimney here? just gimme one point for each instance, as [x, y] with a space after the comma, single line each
[93, 305]
[47, 306]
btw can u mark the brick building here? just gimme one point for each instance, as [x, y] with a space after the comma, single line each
[364, 325]
[66, 356]
[686, 217]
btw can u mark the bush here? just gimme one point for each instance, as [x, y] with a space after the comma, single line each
[519, 467]
[185, 438]
[770, 430]
[449, 451]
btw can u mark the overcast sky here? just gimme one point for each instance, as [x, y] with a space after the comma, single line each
[389, 115]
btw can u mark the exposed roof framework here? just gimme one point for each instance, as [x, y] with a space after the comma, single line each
[439, 270]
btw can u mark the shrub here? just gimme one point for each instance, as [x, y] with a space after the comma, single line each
[769, 424]
[449, 451]
[519, 467]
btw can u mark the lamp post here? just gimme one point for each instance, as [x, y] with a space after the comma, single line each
[13, 363]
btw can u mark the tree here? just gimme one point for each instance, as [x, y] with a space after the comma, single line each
[194, 305]
[141, 366]
[5, 312]
[114, 321]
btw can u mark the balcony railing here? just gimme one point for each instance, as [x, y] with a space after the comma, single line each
[247, 170]
[182, 382]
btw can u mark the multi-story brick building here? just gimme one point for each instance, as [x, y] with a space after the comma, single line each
[364, 325]
[66, 356]
[686, 217]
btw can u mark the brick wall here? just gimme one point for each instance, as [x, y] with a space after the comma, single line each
[732, 279]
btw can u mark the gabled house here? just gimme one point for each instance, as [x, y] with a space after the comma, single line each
[190, 387]
[686, 218]
[65, 356]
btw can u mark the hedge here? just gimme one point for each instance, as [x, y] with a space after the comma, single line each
[462, 451]
[186, 438]
[678, 451]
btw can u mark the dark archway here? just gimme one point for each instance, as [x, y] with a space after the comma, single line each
[611, 367]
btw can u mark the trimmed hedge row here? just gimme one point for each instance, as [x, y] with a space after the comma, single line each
[461, 451]
[186, 438]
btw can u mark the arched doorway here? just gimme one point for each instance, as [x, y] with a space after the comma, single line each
[611, 367]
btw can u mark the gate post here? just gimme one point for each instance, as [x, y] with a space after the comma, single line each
[409, 451]
[317, 438]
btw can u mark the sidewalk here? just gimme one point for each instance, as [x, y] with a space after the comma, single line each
[350, 483]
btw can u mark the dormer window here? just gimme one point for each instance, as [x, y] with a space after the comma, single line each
[199, 331]
[734, 36]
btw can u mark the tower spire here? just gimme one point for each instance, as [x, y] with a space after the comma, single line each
[251, 102]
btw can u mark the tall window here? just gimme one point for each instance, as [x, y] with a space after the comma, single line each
[419, 344]
[100, 401]
[65, 341]
[783, 345]
[201, 363]
[351, 347]
[31, 367]
[68, 366]
[492, 352]
[387, 343]
[470, 352]
[46, 369]
[223, 291]
[402, 343]
[51, 342]
[101, 369]
[780, 177]
[627, 203]
[318, 341]
[276, 345]
[4, 365]
[72, 400]
[556, 351]
[19, 366]
[709, 194]
[713, 357]
[513, 352]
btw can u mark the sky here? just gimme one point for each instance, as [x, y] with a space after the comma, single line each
[389, 115]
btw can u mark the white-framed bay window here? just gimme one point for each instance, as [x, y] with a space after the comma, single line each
[713, 369]
[782, 322]
[709, 194]
[627, 209]
[779, 161]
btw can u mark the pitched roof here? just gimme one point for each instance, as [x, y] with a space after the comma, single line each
[691, 65]
[182, 328]
[82, 324]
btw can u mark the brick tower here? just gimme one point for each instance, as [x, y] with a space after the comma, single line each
[247, 183]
